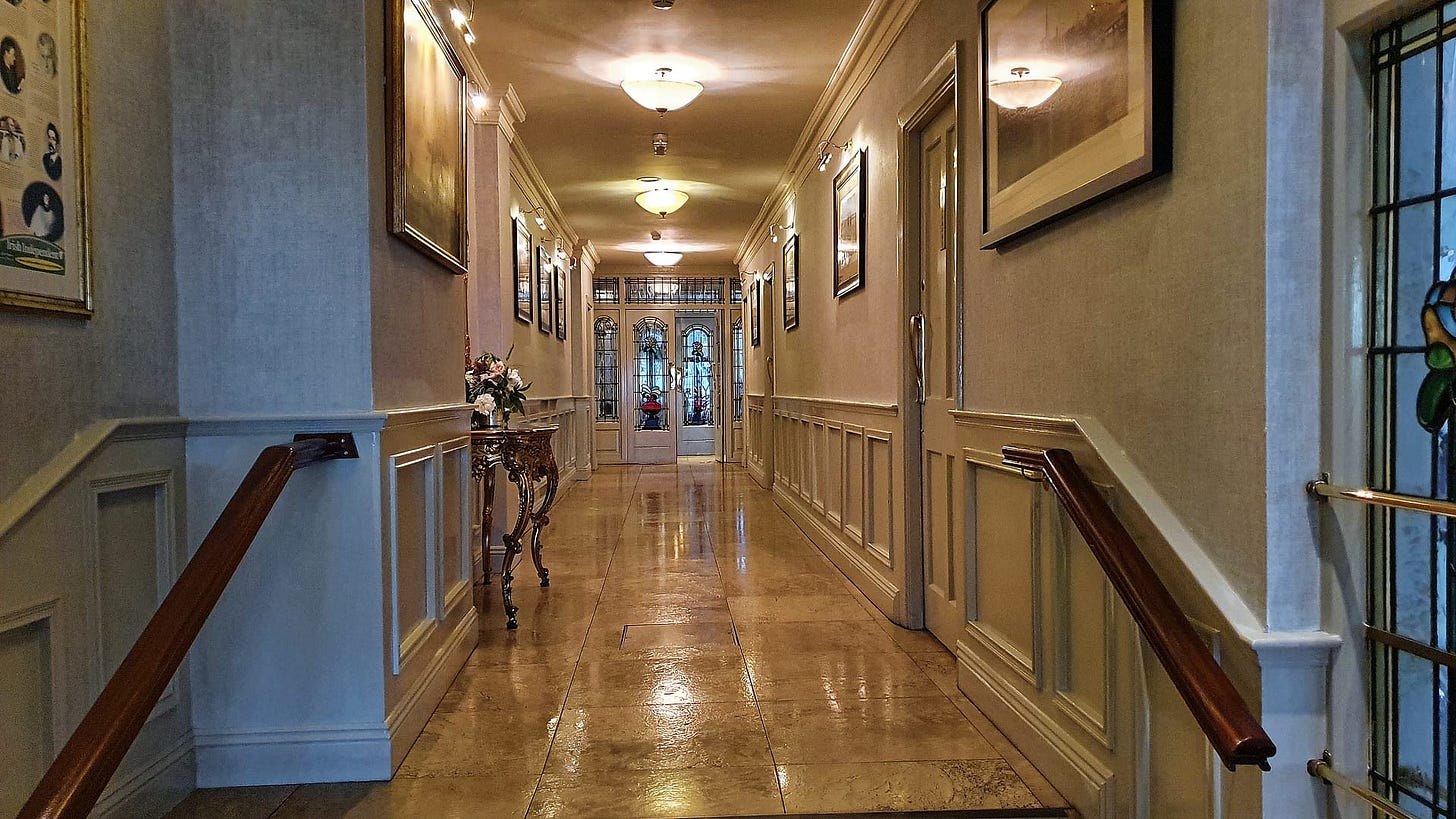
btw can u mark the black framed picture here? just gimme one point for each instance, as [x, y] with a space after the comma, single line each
[543, 290]
[756, 308]
[522, 255]
[791, 283]
[427, 168]
[561, 301]
[1076, 106]
[849, 226]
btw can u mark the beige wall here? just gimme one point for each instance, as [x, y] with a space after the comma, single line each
[543, 359]
[1145, 311]
[62, 373]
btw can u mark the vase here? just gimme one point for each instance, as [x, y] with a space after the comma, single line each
[486, 420]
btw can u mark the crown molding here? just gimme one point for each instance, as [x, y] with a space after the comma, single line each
[525, 173]
[588, 251]
[873, 37]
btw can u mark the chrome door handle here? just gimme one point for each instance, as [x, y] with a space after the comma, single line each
[917, 353]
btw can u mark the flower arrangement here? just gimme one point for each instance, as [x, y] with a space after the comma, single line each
[493, 385]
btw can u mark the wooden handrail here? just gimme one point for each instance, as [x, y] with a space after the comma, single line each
[75, 780]
[1220, 710]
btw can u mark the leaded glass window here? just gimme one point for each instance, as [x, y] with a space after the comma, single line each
[606, 291]
[735, 290]
[605, 367]
[738, 369]
[698, 394]
[674, 290]
[651, 373]
[1413, 365]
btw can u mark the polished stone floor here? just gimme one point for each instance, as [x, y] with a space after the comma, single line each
[695, 655]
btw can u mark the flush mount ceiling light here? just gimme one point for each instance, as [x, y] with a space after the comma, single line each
[662, 93]
[664, 5]
[663, 258]
[1025, 91]
[662, 201]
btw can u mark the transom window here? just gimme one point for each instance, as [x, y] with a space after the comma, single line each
[1413, 369]
[674, 290]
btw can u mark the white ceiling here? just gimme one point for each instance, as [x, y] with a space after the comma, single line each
[764, 64]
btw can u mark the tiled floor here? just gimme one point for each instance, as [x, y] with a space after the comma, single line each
[695, 655]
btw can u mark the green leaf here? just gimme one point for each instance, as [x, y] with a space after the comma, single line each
[1433, 402]
[1439, 357]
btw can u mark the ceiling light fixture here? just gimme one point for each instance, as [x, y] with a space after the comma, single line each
[662, 5]
[826, 152]
[659, 144]
[662, 94]
[1023, 92]
[662, 201]
[663, 258]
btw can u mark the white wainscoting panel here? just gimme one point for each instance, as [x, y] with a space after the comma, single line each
[837, 473]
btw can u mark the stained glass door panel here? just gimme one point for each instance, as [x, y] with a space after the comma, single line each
[648, 375]
[697, 387]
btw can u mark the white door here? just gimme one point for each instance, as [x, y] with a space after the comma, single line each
[936, 334]
[647, 373]
[698, 405]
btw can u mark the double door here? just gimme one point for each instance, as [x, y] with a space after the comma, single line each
[672, 382]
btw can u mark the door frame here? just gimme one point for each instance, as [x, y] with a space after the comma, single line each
[943, 87]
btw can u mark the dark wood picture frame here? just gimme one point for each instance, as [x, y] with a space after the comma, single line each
[1153, 21]
[407, 216]
[849, 186]
[560, 293]
[790, 286]
[544, 278]
[756, 307]
[521, 275]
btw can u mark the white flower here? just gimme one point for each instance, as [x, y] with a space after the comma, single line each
[485, 405]
[514, 376]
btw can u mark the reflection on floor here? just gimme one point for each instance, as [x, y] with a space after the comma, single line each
[695, 655]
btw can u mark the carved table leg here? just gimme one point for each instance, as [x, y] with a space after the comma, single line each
[514, 543]
[541, 520]
[487, 521]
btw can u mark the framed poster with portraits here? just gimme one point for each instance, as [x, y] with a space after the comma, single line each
[543, 290]
[791, 282]
[44, 182]
[427, 117]
[849, 226]
[521, 254]
[560, 293]
[1076, 106]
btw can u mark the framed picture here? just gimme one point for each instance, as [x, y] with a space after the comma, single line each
[521, 245]
[849, 226]
[561, 301]
[1076, 106]
[757, 309]
[791, 282]
[45, 252]
[426, 136]
[543, 290]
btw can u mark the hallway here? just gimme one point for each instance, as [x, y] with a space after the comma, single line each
[694, 656]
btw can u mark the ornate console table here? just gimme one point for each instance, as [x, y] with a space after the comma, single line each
[526, 455]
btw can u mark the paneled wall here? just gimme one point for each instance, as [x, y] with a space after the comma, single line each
[84, 571]
[758, 436]
[430, 619]
[836, 467]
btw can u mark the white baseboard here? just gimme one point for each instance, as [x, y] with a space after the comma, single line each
[408, 719]
[152, 788]
[871, 583]
[1072, 769]
[291, 756]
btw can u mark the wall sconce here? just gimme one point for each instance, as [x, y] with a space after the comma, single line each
[1023, 92]
[478, 100]
[826, 152]
[540, 214]
[775, 228]
[462, 22]
[763, 277]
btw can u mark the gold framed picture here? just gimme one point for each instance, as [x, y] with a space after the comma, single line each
[45, 262]
[849, 226]
[427, 184]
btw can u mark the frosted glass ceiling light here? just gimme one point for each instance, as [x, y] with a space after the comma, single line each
[662, 201]
[662, 93]
[1023, 92]
[663, 258]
